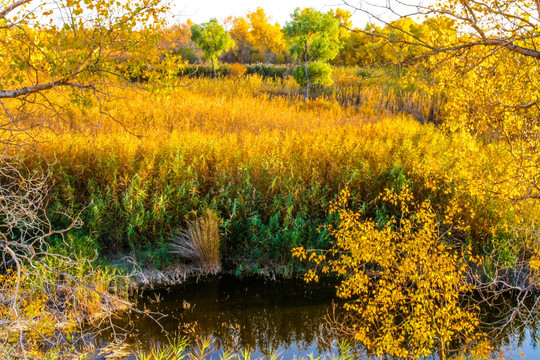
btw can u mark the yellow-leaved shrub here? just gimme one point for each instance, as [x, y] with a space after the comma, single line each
[403, 284]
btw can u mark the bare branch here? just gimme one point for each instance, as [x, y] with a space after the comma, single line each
[10, 8]
[471, 19]
[5, 94]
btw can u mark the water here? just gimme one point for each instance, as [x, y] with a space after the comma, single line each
[287, 317]
[254, 313]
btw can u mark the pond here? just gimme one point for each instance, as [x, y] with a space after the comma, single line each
[285, 317]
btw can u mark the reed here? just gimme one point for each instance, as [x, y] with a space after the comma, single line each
[199, 242]
[268, 165]
[175, 350]
[180, 349]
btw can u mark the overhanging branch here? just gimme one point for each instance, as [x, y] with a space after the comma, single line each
[471, 19]
[9, 94]
[10, 8]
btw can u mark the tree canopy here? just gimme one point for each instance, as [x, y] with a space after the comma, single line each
[482, 57]
[240, 33]
[266, 38]
[68, 43]
[312, 36]
[213, 40]
[83, 46]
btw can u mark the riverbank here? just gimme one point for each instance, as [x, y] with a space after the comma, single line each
[268, 169]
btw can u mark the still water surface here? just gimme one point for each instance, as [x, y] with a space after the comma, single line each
[285, 317]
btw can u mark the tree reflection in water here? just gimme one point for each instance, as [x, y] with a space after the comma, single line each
[509, 323]
[253, 313]
[293, 318]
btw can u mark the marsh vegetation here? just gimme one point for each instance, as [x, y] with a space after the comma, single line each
[398, 164]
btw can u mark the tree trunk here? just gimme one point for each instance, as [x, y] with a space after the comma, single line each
[306, 89]
[245, 55]
[442, 350]
[213, 68]
[267, 56]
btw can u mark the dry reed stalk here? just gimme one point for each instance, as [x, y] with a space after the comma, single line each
[199, 242]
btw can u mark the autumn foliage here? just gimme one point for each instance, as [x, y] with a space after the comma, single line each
[432, 131]
[403, 282]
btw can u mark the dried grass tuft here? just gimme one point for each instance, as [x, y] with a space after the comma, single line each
[199, 242]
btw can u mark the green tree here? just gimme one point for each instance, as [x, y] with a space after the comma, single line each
[213, 40]
[319, 73]
[312, 36]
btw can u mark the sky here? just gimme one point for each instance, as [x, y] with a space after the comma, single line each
[279, 10]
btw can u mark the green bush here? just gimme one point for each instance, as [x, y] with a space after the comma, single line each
[319, 74]
[264, 70]
[269, 71]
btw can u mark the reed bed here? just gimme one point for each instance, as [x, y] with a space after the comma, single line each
[267, 165]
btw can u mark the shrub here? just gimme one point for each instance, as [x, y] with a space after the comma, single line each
[188, 53]
[237, 70]
[205, 71]
[403, 269]
[269, 71]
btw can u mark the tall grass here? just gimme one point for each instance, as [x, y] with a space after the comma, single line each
[368, 90]
[199, 242]
[268, 166]
[204, 349]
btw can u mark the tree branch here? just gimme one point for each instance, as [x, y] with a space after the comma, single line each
[10, 8]
[5, 94]
[510, 46]
[484, 40]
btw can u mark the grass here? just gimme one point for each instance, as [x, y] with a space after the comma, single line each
[268, 166]
[244, 151]
[199, 242]
[179, 349]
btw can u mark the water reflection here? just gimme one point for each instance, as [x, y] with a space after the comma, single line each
[253, 313]
[511, 322]
[289, 317]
